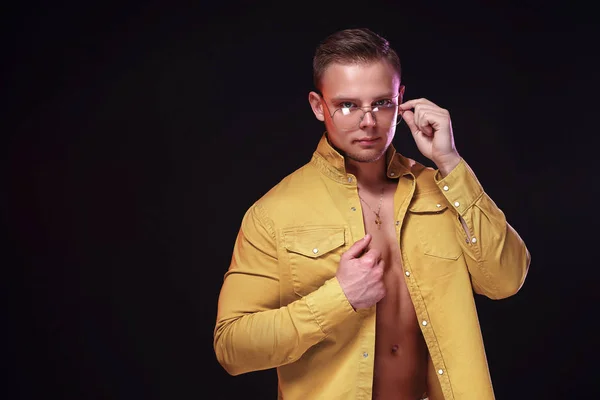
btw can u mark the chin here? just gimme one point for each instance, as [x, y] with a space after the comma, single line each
[363, 156]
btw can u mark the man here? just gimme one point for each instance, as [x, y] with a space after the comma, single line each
[354, 276]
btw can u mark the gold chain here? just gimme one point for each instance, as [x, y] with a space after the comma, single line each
[377, 217]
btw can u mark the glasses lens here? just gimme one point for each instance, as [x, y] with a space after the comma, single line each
[350, 118]
[347, 118]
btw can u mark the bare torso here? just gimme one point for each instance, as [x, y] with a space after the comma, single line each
[400, 351]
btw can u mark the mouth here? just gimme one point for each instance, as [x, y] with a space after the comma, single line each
[367, 141]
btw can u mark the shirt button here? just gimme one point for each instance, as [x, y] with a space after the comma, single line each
[456, 204]
[424, 323]
[353, 208]
[438, 205]
[365, 354]
[407, 273]
[440, 371]
[397, 223]
[315, 250]
[349, 179]
[446, 187]
[474, 240]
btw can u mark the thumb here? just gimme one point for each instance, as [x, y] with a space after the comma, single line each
[357, 248]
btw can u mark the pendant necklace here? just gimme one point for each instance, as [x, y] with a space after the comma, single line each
[377, 216]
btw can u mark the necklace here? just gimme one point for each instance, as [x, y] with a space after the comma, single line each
[377, 216]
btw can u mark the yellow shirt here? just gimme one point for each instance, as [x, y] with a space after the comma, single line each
[282, 307]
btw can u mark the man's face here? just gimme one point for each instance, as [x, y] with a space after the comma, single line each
[373, 86]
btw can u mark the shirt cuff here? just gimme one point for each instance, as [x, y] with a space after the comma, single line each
[329, 305]
[460, 187]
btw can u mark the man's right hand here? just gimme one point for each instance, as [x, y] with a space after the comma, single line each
[360, 274]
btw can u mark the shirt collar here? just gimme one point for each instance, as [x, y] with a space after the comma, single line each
[331, 162]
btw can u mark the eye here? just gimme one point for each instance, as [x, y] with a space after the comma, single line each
[383, 103]
[346, 104]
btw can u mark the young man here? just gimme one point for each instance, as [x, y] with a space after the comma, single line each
[355, 275]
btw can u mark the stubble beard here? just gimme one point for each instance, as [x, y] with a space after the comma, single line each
[365, 158]
[369, 157]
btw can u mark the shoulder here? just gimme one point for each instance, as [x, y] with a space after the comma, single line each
[291, 189]
[419, 170]
[424, 175]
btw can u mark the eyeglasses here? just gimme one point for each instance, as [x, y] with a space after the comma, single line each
[349, 116]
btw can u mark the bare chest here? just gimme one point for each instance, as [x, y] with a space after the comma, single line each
[380, 222]
[400, 351]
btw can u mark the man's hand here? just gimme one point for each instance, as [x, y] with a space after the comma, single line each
[361, 275]
[432, 130]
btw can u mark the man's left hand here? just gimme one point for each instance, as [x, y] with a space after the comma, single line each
[431, 128]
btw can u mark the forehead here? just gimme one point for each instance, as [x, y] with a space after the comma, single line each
[360, 80]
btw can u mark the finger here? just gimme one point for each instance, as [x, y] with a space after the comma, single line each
[382, 292]
[427, 130]
[428, 117]
[381, 263]
[430, 111]
[371, 257]
[358, 247]
[409, 104]
[375, 253]
[423, 121]
[378, 269]
[430, 108]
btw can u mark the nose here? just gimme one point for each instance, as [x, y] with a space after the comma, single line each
[368, 119]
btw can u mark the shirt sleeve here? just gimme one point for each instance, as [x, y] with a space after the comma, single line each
[497, 257]
[253, 332]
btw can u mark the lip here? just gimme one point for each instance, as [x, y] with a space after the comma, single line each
[367, 141]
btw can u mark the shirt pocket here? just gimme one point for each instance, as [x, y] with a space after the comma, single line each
[436, 227]
[314, 253]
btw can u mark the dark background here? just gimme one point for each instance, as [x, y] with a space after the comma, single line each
[136, 135]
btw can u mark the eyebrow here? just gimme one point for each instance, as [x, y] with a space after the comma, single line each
[349, 98]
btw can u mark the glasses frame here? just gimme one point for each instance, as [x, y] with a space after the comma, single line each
[363, 115]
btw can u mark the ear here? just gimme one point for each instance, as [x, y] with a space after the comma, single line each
[316, 103]
[401, 96]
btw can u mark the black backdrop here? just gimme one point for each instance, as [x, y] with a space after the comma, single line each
[136, 136]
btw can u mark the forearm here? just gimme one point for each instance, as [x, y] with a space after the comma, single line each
[497, 257]
[250, 341]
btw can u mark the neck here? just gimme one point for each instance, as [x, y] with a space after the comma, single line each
[371, 176]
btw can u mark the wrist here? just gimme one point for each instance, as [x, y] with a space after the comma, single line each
[448, 164]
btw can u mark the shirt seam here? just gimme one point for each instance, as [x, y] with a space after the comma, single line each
[265, 220]
[316, 317]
